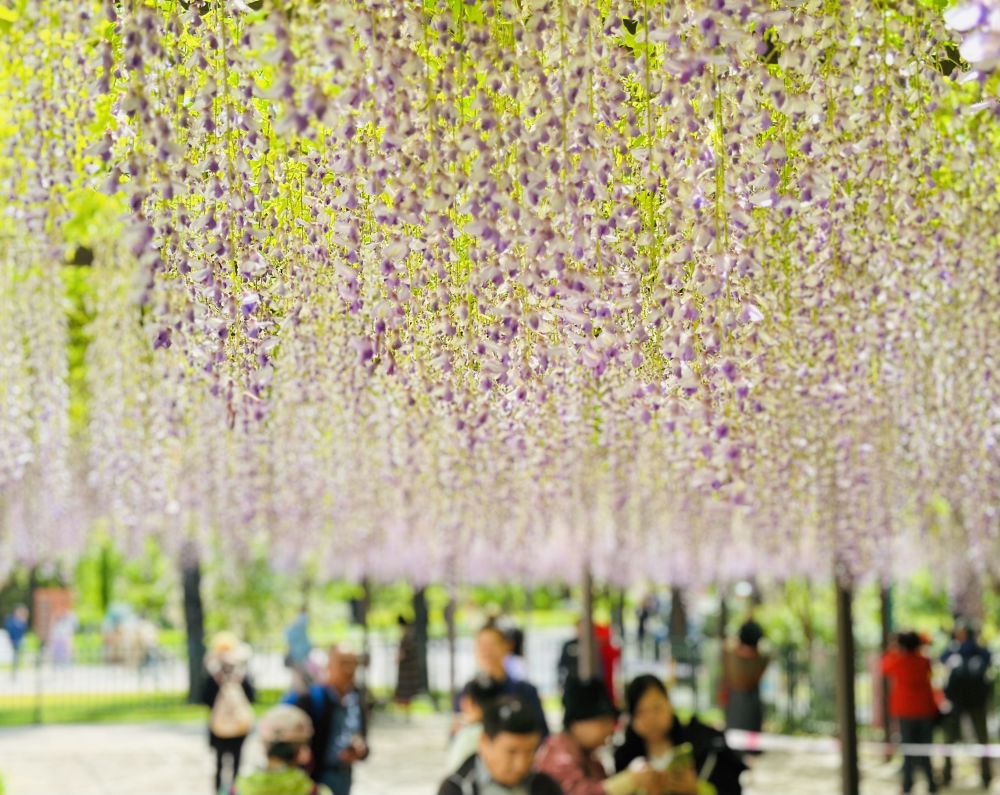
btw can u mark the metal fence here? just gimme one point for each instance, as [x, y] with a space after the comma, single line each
[798, 693]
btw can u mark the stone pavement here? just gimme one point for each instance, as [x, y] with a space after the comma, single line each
[406, 760]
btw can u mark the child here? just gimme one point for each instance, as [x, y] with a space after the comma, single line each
[285, 731]
[476, 696]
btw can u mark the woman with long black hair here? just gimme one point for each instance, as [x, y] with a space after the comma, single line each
[654, 733]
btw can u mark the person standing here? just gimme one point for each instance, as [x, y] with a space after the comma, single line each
[743, 668]
[229, 694]
[409, 679]
[609, 654]
[17, 627]
[969, 690]
[648, 608]
[61, 637]
[911, 702]
[299, 648]
[568, 666]
[491, 651]
[338, 715]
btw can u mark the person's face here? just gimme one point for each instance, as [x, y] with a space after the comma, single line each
[21, 613]
[654, 715]
[490, 652]
[508, 757]
[341, 669]
[961, 634]
[593, 733]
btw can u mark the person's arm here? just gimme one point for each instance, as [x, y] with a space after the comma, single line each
[719, 766]
[539, 710]
[249, 689]
[209, 690]
[462, 746]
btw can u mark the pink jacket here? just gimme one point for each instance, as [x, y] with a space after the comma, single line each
[576, 773]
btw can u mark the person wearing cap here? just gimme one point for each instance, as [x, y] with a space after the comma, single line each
[911, 701]
[228, 692]
[571, 757]
[286, 732]
[504, 757]
[336, 709]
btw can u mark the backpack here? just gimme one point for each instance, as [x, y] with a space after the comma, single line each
[968, 680]
[232, 716]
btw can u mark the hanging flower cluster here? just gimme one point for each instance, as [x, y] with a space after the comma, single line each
[683, 290]
[980, 24]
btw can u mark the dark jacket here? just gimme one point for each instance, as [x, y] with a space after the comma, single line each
[210, 692]
[463, 782]
[709, 747]
[970, 681]
[569, 662]
[321, 706]
[526, 693]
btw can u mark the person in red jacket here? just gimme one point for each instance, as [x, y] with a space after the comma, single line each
[911, 701]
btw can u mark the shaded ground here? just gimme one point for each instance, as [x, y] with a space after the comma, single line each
[407, 760]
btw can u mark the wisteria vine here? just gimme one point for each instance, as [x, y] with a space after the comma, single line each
[679, 290]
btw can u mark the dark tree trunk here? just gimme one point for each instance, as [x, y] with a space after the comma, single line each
[194, 620]
[618, 612]
[107, 578]
[449, 617]
[588, 666]
[678, 618]
[885, 619]
[421, 619]
[847, 717]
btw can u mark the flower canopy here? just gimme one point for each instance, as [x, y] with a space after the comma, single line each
[481, 288]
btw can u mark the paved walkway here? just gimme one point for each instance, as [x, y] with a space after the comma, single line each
[407, 760]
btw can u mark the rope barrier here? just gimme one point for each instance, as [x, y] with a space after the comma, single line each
[760, 741]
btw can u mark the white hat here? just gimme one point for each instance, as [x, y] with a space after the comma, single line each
[285, 724]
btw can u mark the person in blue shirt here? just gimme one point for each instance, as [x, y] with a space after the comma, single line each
[491, 649]
[299, 648]
[17, 627]
[339, 717]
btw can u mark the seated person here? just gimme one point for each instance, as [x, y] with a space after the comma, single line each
[503, 760]
[286, 732]
[476, 696]
[652, 734]
[571, 756]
